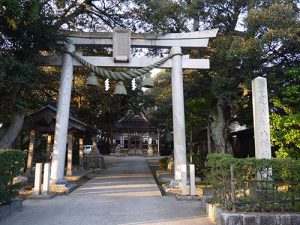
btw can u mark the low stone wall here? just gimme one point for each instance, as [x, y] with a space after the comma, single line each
[259, 219]
[221, 217]
[6, 210]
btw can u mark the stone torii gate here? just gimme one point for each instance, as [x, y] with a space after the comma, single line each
[122, 41]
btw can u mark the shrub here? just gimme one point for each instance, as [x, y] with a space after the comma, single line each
[11, 162]
[199, 159]
[163, 163]
[254, 184]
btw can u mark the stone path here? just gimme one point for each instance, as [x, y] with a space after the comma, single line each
[125, 194]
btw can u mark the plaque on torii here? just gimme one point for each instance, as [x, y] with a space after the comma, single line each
[122, 41]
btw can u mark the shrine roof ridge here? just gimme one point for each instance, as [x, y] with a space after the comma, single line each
[53, 108]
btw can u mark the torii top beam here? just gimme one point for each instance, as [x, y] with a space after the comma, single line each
[191, 40]
[185, 40]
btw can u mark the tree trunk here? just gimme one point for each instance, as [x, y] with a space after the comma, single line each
[218, 128]
[11, 132]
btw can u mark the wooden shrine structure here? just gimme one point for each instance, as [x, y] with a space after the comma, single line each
[133, 134]
[42, 122]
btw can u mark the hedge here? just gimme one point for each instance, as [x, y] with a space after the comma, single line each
[11, 163]
[254, 184]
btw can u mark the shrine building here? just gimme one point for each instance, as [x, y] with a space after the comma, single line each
[134, 135]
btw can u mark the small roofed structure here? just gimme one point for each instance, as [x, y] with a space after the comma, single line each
[134, 135]
[43, 122]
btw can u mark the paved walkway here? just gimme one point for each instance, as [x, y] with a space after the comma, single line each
[125, 194]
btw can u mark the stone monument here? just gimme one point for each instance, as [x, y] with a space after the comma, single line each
[261, 118]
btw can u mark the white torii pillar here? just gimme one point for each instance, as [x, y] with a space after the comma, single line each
[70, 155]
[62, 117]
[178, 113]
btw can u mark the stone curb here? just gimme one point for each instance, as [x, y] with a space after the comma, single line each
[221, 217]
[14, 205]
[41, 197]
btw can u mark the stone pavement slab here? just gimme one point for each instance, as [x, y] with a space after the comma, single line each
[125, 194]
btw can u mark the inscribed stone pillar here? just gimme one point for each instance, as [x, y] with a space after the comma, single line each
[192, 180]
[261, 118]
[178, 112]
[38, 178]
[81, 153]
[62, 117]
[46, 179]
[70, 154]
[183, 179]
[30, 151]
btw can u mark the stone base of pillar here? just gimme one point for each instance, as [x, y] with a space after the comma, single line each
[69, 173]
[39, 197]
[188, 198]
[63, 188]
[61, 181]
[174, 183]
[29, 173]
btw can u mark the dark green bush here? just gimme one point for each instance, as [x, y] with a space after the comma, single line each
[163, 163]
[254, 184]
[199, 159]
[11, 163]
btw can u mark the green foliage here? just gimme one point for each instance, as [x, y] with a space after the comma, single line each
[163, 163]
[199, 159]
[11, 163]
[285, 118]
[285, 135]
[26, 34]
[255, 184]
[266, 44]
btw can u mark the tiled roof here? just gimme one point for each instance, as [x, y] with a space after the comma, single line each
[133, 121]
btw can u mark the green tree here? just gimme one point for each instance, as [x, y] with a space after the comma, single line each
[30, 29]
[267, 45]
[285, 118]
[25, 33]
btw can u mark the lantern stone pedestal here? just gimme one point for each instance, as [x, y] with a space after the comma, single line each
[94, 160]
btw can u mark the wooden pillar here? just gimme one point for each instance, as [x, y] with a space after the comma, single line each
[129, 142]
[140, 140]
[81, 153]
[49, 144]
[158, 136]
[30, 151]
[70, 152]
